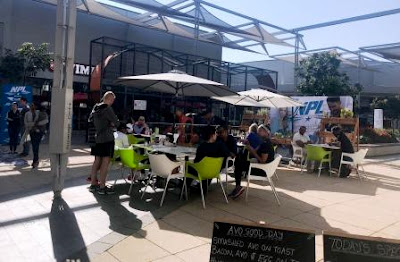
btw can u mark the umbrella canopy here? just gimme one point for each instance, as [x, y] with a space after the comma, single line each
[239, 101]
[260, 98]
[177, 83]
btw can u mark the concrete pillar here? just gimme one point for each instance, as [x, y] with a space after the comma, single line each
[62, 93]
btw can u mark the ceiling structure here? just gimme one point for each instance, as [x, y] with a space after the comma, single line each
[195, 19]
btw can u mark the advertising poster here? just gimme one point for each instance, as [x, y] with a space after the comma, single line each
[11, 93]
[310, 115]
[140, 104]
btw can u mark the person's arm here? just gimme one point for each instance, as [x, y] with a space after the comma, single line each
[125, 141]
[9, 119]
[200, 154]
[112, 117]
[44, 121]
[262, 158]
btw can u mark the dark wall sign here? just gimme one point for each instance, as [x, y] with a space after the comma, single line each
[351, 248]
[238, 242]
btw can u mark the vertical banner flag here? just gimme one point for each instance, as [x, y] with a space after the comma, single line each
[11, 93]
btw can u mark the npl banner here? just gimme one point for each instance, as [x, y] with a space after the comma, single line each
[315, 108]
[11, 93]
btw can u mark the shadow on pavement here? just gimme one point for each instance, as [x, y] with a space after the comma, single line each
[65, 232]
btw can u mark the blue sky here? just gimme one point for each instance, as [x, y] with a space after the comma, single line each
[296, 13]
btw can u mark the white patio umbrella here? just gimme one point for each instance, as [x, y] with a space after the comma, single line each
[262, 98]
[177, 83]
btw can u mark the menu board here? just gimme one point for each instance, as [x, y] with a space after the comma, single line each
[352, 248]
[254, 242]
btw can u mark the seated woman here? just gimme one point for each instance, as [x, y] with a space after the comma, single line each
[140, 127]
[228, 140]
[264, 153]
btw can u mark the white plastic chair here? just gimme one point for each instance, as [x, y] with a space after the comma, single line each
[298, 153]
[228, 169]
[356, 160]
[162, 166]
[269, 169]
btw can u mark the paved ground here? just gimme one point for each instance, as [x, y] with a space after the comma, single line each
[34, 227]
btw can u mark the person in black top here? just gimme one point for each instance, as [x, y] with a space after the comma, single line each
[209, 148]
[14, 125]
[345, 146]
[264, 153]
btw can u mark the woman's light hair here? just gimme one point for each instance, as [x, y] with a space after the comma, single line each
[253, 128]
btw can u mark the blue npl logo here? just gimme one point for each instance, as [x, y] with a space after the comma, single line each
[310, 108]
[17, 90]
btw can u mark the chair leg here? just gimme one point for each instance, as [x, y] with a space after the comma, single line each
[222, 187]
[276, 175]
[145, 188]
[358, 173]
[340, 168]
[305, 165]
[330, 167]
[184, 189]
[165, 191]
[320, 168]
[271, 183]
[130, 188]
[365, 174]
[248, 186]
[202, 195]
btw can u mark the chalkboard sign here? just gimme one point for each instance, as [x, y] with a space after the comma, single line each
[253, 242]
[352, 248]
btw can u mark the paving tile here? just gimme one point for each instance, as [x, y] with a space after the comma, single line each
[190, 224]
[162, 233]
[137, 248]
[112, 238]
[171, 258]
[105, 257]
[197, 254]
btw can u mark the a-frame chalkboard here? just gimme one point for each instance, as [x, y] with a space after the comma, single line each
[256, 242]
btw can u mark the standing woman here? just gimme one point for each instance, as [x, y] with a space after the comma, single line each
[36, 122]
[14, 125]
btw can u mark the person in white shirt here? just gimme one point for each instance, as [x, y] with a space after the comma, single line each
[301, 139]
[120, 136]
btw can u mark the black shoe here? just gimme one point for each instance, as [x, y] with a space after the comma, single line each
[239, 191]
[93, 188]
[35, 164]
[106, 191]
[233, 192]
[22, 154]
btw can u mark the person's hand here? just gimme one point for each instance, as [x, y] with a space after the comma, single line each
[245, 142]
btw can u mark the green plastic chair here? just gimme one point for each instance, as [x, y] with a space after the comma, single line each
[315, 153]
[135, 140]
[132, 160]
[207, 168]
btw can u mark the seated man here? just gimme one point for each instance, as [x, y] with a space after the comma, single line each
[301, 139]
[140, 127]
[264, 153]
[345, 146]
